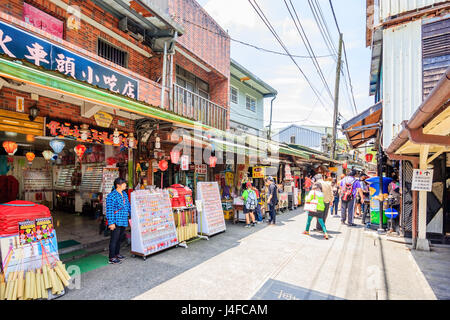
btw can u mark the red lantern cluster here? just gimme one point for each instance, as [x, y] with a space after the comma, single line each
[80, 150]
[10, 147]
[212, 161]
[163, 165]
[369, 157]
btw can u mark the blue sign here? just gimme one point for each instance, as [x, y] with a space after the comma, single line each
[17, 43]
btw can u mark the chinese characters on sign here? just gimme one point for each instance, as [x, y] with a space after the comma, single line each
[17, 43]
[58, 128]
[422, 180]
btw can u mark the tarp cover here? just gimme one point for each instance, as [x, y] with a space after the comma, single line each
[13, 212]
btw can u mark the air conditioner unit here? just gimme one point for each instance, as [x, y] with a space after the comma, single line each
[126, 26]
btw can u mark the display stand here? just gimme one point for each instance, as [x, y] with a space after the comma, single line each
[211, 214]
[152, 223]
[187, 224]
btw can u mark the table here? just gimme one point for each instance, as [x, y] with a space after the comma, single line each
[236, 208]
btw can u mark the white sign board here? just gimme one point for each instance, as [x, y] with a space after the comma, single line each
[422, 180]
[211, 215]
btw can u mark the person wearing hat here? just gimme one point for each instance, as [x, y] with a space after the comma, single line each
[272, 199]
[118, 210]
[250, 203]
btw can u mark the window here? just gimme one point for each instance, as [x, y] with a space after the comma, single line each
[112, 53]
[42, 20]
[234, 95]
[191, 82]
[293, 139]
[251, 103]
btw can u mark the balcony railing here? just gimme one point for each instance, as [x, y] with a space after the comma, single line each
[191, 105]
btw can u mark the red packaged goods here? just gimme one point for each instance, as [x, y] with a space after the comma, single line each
[178, 194]
[13, 212]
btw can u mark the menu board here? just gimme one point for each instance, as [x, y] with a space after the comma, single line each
[109, 175]
[212, 218]
[152, 222]
[37, 180]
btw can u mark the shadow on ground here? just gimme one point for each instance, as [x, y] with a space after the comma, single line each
[135, 276]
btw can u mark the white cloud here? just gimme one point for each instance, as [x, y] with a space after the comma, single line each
[232, 13]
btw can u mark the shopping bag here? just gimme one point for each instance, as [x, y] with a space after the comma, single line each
[311, 205]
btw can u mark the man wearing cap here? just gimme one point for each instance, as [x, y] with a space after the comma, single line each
[272, 199]
[327, 197]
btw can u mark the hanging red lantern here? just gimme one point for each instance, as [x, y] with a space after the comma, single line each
[212, 161]
[30, 157]
[344, 165]
[163, 165]
[175, 156]
[369, 157]
[80, 150]
[10, 147]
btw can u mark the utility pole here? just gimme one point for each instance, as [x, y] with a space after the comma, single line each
[336, 97]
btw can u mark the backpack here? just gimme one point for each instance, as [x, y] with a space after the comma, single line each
[348, 191]
[251, 201]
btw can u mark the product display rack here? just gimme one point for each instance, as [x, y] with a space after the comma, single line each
[152, 222]
[108, 177]
[211, 217]
[64, 178]
[92, 179]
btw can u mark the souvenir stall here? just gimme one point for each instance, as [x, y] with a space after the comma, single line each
[31, 268]
[211, 218]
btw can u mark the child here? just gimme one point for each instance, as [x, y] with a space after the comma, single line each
[316, 193]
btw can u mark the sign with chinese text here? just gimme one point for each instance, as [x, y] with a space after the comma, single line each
[17, 43]
[42, 20]
[103, 119]
[258, 172]
[63, 129]
[184, 162]
[422, 180]
[20, 104]
[201, 168]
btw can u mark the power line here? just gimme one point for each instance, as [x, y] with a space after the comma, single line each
[249, 44]
[274, 33]
[304, 37]
[345, 56]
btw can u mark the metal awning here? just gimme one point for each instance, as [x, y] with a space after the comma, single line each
[364, 126]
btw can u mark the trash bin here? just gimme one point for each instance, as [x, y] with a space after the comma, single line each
[374, 189]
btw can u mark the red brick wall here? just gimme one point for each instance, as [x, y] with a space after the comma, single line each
[212, 47]
[49, 107]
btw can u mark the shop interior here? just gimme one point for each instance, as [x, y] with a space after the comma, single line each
[70, 188]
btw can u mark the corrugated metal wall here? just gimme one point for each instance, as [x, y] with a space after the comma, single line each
[303, 137]
[390, 8]
[402, 76]
[435, 50]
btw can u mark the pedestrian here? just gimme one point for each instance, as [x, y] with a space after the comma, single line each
[365, 206]
[358, 202]
[272, 199]
[335, 203]
[316, 197]
[258, 214]
[250, 203]
[327, 198]
[349, 187]
[118, 210]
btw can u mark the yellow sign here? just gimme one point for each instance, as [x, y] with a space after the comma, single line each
[103, 119]
[258, 172]
[333, 169]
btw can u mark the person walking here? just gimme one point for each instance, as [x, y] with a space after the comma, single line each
[250, 203]
[272, 199]
[258, 214]
[365, 206]
[327, 198]
[316, 196]
[349, 187]
[335, 204]
[118, 210]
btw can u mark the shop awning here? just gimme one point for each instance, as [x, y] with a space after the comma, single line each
[364, 126]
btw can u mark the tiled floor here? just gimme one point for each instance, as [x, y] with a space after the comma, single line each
[74, 227]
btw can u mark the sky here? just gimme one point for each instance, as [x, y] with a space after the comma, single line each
[296, 101]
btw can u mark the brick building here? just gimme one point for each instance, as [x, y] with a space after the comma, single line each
[103, 64]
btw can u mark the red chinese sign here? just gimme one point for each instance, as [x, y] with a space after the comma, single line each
[62, 129]
[42, 20]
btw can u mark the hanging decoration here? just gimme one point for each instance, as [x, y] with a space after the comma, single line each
[30, 157]
[212, 161]
[84, 132]
[163, 165]
[157, 143]
[116, 137]
[80, 150]
[10, 147]
[369, 157]
[344, 165]
[47, 154]
[175, 156]
[132, 140]
[57, 145]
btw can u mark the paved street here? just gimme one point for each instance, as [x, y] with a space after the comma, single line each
[273, 262]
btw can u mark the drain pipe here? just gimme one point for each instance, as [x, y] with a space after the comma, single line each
[163, 82]
[172, 54]
[270, 123]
